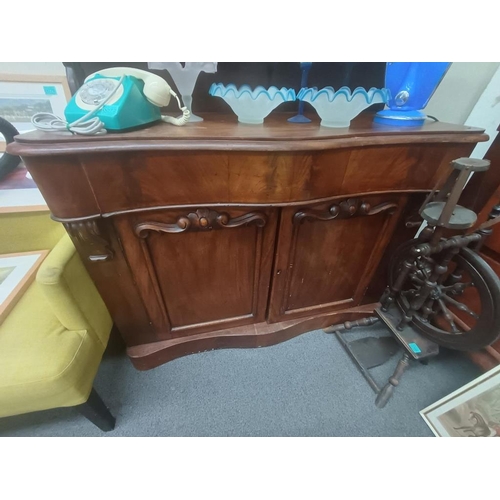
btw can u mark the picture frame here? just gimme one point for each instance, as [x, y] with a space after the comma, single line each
[21, 96]
[471, 411]
[17, 272]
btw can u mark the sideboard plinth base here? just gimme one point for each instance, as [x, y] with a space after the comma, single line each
[147, 356]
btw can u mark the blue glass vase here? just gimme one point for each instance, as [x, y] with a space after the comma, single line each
[410, 86]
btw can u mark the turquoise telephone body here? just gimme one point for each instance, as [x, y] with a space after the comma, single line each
[123, 97]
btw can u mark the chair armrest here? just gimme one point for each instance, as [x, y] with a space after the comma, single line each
[50, 278]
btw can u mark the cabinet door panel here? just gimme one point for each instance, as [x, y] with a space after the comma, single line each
[200, 269]
[327, 254]
[206, 276]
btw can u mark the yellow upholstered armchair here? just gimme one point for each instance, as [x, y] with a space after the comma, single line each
[52, 341]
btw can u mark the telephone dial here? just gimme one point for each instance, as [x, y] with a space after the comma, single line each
[114, 99]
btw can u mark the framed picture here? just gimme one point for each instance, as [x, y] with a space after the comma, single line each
[471, 411]
[17, 272]
[21, 96]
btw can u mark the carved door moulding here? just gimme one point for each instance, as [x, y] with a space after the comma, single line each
[351, 207]
[203, 219]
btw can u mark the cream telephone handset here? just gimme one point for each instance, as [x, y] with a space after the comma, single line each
[114, 99]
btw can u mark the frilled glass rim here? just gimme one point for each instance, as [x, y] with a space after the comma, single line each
[312, 93]
[221, 90]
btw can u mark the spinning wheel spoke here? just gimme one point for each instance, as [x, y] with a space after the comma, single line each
[460, 306]
[460, 288]
[448, 316]
[457, 287]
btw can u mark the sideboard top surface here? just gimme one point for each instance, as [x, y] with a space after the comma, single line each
[220, 132]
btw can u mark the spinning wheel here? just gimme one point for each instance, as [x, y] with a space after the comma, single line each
[440, 292]
[462, 309]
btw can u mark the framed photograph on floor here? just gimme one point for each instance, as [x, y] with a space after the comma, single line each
[21, 96]
[471, 411]
[17, 272]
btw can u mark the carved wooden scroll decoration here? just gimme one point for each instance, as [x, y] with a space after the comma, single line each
[352, 207]
[87, 235]
[202, 219]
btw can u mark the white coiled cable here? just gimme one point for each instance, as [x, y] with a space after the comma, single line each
[182, 120]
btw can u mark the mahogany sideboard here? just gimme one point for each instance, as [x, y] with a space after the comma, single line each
[220, 234]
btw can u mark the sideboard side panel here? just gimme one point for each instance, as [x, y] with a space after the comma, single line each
[64, 185]
[111, 274]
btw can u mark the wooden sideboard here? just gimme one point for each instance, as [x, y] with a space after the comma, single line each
[219, 234]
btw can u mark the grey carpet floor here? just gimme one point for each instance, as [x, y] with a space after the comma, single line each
[307, 386]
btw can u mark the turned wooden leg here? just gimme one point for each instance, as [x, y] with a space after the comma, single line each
[385, 394]
[97, 412]
[348, 325]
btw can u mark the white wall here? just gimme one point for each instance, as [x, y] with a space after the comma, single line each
[32, 68]
[452, 102]
[486, 114]
[460, 90]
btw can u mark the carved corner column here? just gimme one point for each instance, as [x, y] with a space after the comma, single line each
[101, 254]
[90, 240]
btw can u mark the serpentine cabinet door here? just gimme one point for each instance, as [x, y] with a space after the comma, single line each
[328, 252]
[200, 269]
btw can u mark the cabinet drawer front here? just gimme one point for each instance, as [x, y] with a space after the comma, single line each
[145, 180]
[327, 254]
[199, 269]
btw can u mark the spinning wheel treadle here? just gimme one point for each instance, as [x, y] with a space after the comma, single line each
[413, 342]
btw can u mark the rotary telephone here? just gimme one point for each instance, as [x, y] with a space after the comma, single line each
[114, 99]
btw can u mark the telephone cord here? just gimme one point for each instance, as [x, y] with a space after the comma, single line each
[181, 120]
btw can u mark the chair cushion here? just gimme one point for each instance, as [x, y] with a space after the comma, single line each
[43, 365]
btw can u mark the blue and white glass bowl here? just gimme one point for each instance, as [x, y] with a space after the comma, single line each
[337, 109]
[252, 106]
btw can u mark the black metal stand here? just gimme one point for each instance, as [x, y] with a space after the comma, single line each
[97, 412]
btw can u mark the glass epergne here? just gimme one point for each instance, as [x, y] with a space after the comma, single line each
[185, 78]
[251, 106]
[337, 108]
